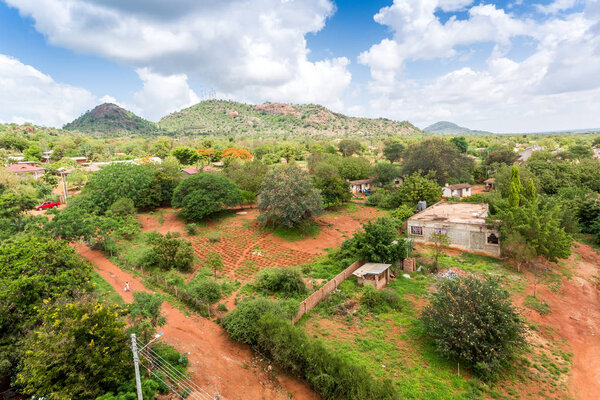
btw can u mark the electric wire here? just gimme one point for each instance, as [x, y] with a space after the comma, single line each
[192, 394]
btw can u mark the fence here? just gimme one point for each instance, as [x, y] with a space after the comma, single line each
[311, 301]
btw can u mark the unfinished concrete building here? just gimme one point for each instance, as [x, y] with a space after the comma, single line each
[463, 223]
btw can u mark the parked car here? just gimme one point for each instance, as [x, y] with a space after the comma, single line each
[47, 204]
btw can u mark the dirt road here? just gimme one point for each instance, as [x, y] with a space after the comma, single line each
[218, 364]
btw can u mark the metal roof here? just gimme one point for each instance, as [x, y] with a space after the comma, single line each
[371, 269]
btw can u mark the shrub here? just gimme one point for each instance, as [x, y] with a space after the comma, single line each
[330, 375]
[204, 290]
[403, 212]
[241, 322]
[169, 251]
[214, 262]
[191, 229]
[286, 281]
[214, 237]
[472, 321]
[379, 300]
[380, 242]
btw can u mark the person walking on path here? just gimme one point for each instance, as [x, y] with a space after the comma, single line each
[127, 288]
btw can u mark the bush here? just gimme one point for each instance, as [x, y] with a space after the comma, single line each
[379, 300]
[473, 321]
[191, 229]
[286, 281]
[204, 290]
[214, 237]
[168, 252]
[330, 375]
[241, 322]
[403, 212]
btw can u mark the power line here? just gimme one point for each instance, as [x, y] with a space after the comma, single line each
[174, 374]
[177, 372]
[191, 393]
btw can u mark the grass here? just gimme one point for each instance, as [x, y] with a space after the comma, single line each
[302, 231]
[104, 290]
[538, 305]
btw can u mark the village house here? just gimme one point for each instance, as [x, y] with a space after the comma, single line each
[359, 186]
[463, 223]
[376, 275]
[459, 190]
[194, 170]
[26, 169]
[490, 184]
[525, 154]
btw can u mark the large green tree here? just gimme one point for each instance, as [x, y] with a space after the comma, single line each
[472, 321]
[33, 269]
[418, 188]
[380, 242]
[79, 350]
[393, 150]
[247, 175]
[288, 197]
[439, 157]
[334, 189]
[204, 194]
[349, 147]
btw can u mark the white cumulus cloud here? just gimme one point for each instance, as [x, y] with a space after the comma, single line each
[249, 49]
[28, 95]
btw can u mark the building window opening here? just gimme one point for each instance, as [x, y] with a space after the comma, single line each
[492, 239]
[439, 230]
[416, 230]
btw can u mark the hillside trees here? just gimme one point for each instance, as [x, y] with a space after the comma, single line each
[461, 143]
[473, 322]
[185, 155]
[349, 147]
[440, 158]
[384, 173]
[204, 194]
[393, 150]
[247, 175]
[287, 197]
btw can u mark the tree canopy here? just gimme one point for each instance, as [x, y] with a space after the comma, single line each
[440, 158]
[204, 194]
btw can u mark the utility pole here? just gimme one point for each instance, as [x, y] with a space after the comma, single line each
[136, 363]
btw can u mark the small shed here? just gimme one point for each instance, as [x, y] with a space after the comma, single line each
[490, 184]
[376, 275]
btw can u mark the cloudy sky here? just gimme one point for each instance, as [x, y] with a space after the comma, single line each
[504, 66]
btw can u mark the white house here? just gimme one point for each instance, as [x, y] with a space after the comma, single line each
[459, 190]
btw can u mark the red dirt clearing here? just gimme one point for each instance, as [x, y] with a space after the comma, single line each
[218, 364]
[575, 316]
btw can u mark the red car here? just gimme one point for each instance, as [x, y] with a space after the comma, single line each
[47, 204]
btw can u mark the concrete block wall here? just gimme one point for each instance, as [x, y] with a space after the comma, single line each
[311, 301]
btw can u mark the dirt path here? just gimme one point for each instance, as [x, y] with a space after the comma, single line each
[575, 317]
[218, 364]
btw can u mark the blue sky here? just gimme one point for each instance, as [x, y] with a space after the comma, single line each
[504, 66]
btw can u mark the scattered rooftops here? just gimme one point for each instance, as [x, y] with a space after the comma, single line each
[371, 269]
[461, 213]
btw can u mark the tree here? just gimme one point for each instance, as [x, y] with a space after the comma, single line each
[145, 314]
[186, 155]
[461, 143]
[384, 173]
[234, 152]
[33, 269]
[418, 188]
[440, 242]
[516, 248]
[117, 181]
[440, 158]
[505, 156]
[380, 242]
[77, 178]
[122, 207]
[160, 190]
[352, 168]
[214, 262]
[516, 188]
[79, 351]
[161, 147]
[579, 152]
[204, 194]
[402, 213]
[473, 322]
[204, 290]
[288, 197]
[169, 252]
[247, 175]
[13, 207]
[393, 151]
[334, 189]
[349, 147]
[33, 153]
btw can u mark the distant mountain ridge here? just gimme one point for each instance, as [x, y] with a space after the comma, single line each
[222, 117]
[109, 118]
[449, 128]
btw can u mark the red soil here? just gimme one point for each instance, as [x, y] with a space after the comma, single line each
[218, 364]
[575, 316]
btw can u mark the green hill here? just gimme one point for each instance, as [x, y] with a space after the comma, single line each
[449, 128]
[111, 119]
[221, 117]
